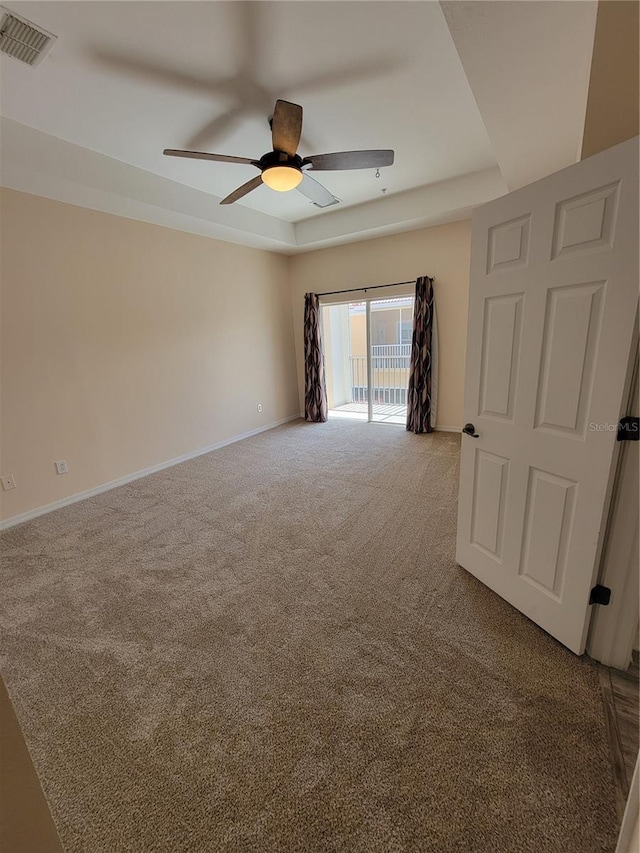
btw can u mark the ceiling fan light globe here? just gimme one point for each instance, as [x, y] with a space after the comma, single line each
[282, 178]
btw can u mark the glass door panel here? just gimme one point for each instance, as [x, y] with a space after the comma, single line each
[344, 336]
[391, 327]
[367, 348]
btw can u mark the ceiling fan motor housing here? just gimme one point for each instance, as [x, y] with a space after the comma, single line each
[279, 158]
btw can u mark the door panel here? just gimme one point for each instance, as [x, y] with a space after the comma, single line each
[548, 521]
[570, 343]
[500, 355]
[553, 299]
[490, 489]
[586, 222]
[509, 244]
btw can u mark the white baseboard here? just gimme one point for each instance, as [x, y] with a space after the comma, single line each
[137, 475]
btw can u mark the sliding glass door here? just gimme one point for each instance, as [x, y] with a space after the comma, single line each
[367, 350]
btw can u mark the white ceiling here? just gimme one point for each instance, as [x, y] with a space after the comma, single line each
[475, 98]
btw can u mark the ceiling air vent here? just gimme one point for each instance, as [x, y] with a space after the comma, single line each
[22, 40]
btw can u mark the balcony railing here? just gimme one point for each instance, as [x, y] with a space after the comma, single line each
[389, 374]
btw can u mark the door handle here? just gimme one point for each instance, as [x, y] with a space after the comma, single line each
[469, 429]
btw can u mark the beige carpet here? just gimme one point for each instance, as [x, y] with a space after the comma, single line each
[271, 648]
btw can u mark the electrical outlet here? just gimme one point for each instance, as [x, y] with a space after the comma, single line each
[62, 467]
[8, 483]
[259, 407]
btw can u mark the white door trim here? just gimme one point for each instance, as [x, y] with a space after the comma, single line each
[628, 840]
[614, 628]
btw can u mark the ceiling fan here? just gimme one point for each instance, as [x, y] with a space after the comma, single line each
[283, 169]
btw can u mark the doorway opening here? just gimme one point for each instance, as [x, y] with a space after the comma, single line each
[367, 348]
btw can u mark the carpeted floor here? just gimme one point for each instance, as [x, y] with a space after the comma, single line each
[271, 648]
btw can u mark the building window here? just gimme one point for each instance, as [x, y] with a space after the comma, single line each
[405, 332]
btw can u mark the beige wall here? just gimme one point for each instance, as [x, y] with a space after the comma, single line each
[442, 251]
[126, 344]
[612, 104]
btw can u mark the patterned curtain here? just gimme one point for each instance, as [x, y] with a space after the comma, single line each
[419, 394]
[315, 391]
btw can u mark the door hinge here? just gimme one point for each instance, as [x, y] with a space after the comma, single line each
[600, 595]
[629, 428]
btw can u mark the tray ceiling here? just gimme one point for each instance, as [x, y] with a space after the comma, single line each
[126, 79]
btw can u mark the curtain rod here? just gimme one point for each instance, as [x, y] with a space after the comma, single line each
[375, 287]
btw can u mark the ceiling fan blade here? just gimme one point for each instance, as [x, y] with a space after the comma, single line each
[202, 155]
[213, 130]
[349, 160]
[346, 74]
[318, 194]
[286, 127]
[152, 72]
[253, 184]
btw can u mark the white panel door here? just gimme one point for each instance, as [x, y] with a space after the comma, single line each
[553, 299]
